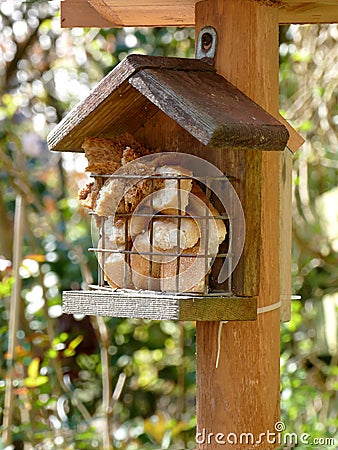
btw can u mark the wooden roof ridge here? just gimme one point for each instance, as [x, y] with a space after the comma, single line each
[189, 91]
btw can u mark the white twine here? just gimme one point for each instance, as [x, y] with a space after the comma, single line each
[262, 310]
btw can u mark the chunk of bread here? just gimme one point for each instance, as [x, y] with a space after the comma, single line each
[196, 208]
[105, 155]
[145, 271]
[174, 197]
[191, 275]
[124, 194]
[140, 219]
[192, 269]
[168, 233]
[117, 230]
[116, 269]
[88, 194]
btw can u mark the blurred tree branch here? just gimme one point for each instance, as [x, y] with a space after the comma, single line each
[6, 236]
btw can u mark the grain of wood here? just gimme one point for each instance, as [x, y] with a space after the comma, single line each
[114, 13]
[163, 132]
[189, 91]
[295, 139]
[158, 306]
[308, 12]
[242, 395]
[113, 98]
[211, 109]
[80, 13]
[285, 246]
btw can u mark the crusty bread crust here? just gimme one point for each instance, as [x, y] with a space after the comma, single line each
[155, 196]
[191, 281]
[105, 156]
[198, 192]
[145, 271]
[165, 233]
[174, 197]
[105, 151]
[116, 270]
[88, 194]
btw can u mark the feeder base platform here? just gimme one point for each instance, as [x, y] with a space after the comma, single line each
[159, 306]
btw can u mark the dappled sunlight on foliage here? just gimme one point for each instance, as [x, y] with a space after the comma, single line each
[309, 92]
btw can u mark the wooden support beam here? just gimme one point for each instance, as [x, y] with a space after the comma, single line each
[285, 196]
[308, 12]
[295, 139]
[80, 13]
[242, 394]
[285, 239]
[155, 13]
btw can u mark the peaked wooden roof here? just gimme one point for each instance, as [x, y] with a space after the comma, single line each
[187, 90]
[114, 13]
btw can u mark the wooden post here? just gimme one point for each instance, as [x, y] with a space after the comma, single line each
[285, 242]
[242, 394]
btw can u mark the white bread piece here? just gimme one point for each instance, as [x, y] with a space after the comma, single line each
[139, 224]
[191, 273]
[115, 230]
[88, 194]
[142, 265]
[115, 266]
[166, 200]
[111, 192]
[196, 209]
[165, 233]
[123, 194]
[193, 269]
[86, 197]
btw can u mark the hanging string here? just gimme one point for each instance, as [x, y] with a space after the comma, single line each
[261, 310]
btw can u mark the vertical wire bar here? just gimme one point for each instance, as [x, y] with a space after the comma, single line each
[103, 247]
[179, 206]
[206, 247]
[126, 259]
[230, 242]
[151, 238]
[230, 275]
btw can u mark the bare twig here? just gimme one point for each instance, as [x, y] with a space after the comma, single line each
[102, 334]
[13, 319]
[58, 369]
[5, 230]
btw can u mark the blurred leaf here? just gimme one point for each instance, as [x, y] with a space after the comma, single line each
[156, 427]
[70, 350]
[37, 257]
[6, 287]
[34, 378]
[33, 368]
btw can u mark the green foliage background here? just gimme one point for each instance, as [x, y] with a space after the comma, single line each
[61, 368]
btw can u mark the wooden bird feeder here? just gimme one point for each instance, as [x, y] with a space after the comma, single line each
[180, 105]
[188, 105]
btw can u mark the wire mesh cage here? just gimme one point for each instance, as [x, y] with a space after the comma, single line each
[168, 230]
[174, 240]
